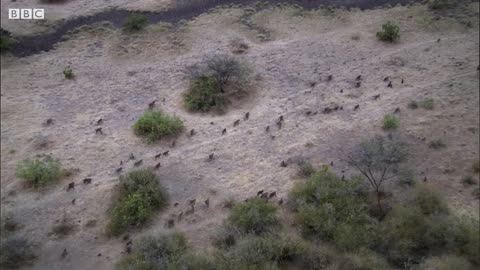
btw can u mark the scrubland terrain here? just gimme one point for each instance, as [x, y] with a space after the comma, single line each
[291, 54]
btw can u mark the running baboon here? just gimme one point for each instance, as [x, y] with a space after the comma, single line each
[356, 107]
[397, 110]
[166, 153]
[267, 129]
[336, 108]
[308, 113]
[64, 253]
[98, 131]
[210, 157]
[385, 79]
[158, 156]
[425, 179]
[259, 192]
[236, 123]
[152, 104]
[157, 166]
[173, 143]
[73, 201]
[207, 202]
[283, 164]
[49, 121]
[192, 132]
[390, 85]
[280, 118]
[131, 157]
[329, 78]
[247, 115]
[359, 77]
[99, 121]
[224, 131]
[279, 124]
[402, 81]
[119, 169]
[138, 163]
[71, 186]
[376, 97]
[272, 194]
[358, 84]
[87, 181]
[327, 110]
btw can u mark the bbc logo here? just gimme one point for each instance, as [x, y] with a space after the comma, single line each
[26, 13]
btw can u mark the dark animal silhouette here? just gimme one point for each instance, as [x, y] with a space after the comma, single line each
[158, 155]
[341, 108]
[343, 177]
[247, 115]
[264, 195]
[211, 156]
[175, 204]
[87, 181]
[64, 253]
[359, 77]
[119, 169]
[280, 202]
[49, 122]
[128, 249]
[157, 166]
[173, 143]
[390, 85]
[267, 129]
[192, 202]
[207, 202]
[402, 81]
[260, 192]
[283, 164]
[312, 84]
[336, 108]
[308, 113]
[280, 118]
[385, 79]
[166, 153]
[438, 40]
[425, 179]
[131, 157]
[331, 163]
[327, 110]
[212, 123]
[356, 107]
[73, 201]
[273, 194]
[272, 137]
[71, 186]
[121, 162]
[358, 84]
[151, 105]
[192, 132]
[99, 121]
[170, 223]
[138, 163]
[397, 110]
[224, 131]
[329, 78]
[279, 124]
[341, 90]
[236, 123]
[376, 97]
[98, 131]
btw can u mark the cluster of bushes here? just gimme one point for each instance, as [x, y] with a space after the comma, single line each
[214, 83]
[40, 172]
[135, 22]
[153, 125]
[139, 195]
[6, 42]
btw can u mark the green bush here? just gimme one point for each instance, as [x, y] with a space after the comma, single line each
[256, 216]
[429, 201]
[390, 122]
[15, 253]
[135, 22]
[305, 169]
[154, 125]
[68, 73]
[467, 239]
[446, 262]
[204, 95]
[139, 196]
[390, 32]
[427, 104]
[40, 172]
[215, 83]
[6, 42]
[331, 209]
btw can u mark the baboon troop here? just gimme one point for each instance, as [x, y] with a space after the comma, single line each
[87, 181]
[138, 163]
[98, 131]
[71, 186]
[151, 105]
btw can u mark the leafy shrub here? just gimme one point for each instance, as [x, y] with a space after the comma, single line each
[226, 236]
[6, 42]
[215, 83]
[316, 257]
[154, 125]
[446, 262]
[429, 201]
[16, 252]
[306, 169]
[135, 22]
[427, 104]
[40, 172]
[256, 215]
[68, 73]
[390, 32]
[437, 144]
[139, 195]
[390, 122]
[332, 209]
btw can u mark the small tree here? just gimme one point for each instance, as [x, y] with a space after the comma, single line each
[377, 160]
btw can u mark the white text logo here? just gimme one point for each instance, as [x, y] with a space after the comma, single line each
[26, 13]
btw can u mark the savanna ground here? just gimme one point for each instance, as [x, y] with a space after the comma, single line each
[117, 74]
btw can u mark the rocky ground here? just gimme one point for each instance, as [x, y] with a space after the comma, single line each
[292, 53]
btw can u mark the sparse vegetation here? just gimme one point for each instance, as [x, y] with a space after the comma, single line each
[447, 262]
[390, 122]
[155, 125]
[437, 144]
[390, 32]
[214, 84]
[440, 4]
[135, 22]
[6, 42]
[256, 216]
[469, 180]
[305, 169]
[139, 196]
[68, 73]
[427, 104]
[16, 252]
[40, 172]
[406, 178]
